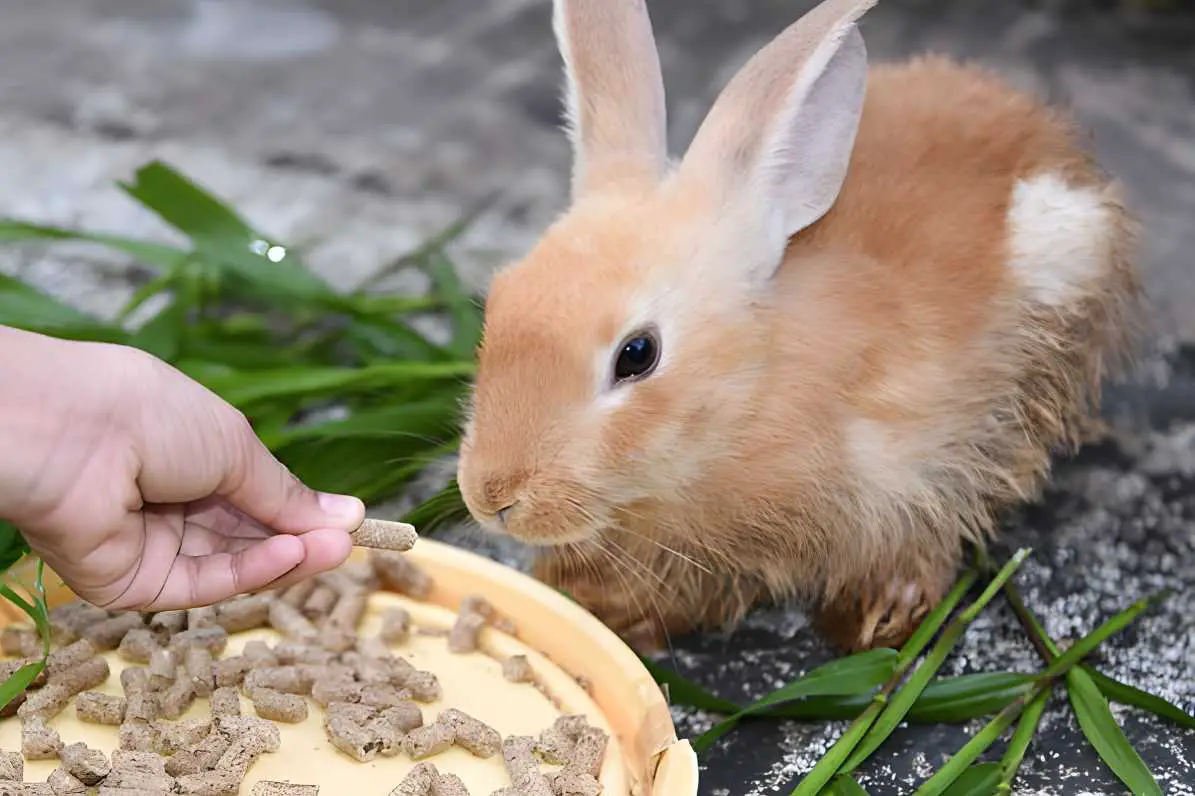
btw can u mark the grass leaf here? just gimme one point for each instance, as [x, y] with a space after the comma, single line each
[26, 307]
[1021, 738]
[854, 674]
[157, 255]
[464, 309]
[981, 779]
[1105, 735]
[964, 697]
[1126, 694]
[845, 786]
[684, 692]
[19, 681]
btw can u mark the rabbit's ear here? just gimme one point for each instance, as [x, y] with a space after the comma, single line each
[614, 94]
[778, 140]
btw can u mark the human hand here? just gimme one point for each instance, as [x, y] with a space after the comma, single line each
[144, 490]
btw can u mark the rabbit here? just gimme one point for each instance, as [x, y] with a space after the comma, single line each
[813, 359]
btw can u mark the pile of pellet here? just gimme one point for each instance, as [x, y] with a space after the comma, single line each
[370, 697]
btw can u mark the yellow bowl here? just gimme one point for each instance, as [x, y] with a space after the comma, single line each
[656, 762]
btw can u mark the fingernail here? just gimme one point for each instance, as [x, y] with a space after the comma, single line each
[344, 509]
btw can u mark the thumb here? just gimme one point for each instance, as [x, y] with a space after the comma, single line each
[260, 486]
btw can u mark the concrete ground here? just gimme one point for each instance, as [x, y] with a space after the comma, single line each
[356, 128]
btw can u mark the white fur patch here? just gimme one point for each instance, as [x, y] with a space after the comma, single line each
[1059, 238]
[882, 461]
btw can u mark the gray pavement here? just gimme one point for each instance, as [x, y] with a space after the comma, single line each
[356, 128]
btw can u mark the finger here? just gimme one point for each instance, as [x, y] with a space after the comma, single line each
[203, 580]
[260, 486]
[326, 549]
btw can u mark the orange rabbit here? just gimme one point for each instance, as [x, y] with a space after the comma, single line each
[812, 358]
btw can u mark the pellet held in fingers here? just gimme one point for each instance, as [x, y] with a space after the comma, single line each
[384, 535]
[96, 708]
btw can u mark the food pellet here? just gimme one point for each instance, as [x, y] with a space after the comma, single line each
[517, 669]
[70, 656]
[396, 625]
[63, 783]
[362, 572]
[327, 690]
[417, 782]
[97, 708]
[203, 616]
[424, 686]
[384, 535]
[107, 635]
[339, 631]
[87, 765]
[382, 695]
[522, 766]
[244, 613]
[449, 784]
[588, 752]
[277, 706]
[348, 728]
[166, 623]
[134, 679]
[405, 716]
[288, 621]
[138, 645]
[68, 621]
[259, 653]
[20, 642]
[141, 706]
[213, 638]
[198, 665]
[176, 735]
[82, 676]
[464, 634]
[163, 669]
[430, 739]
[320, 602]
[225, 702]
[297, 594]
[136, 782]
[231, 671]
[264, 731]
[219, 782]
[266, 788]
[141, 762]
[398, 574]
[209, 751]
[45, 702]
[182, 763]
[292, 679]
[473, 735]
[137, 736]
[575, 783]
[175, 700]
[26, 789]
[289, 652]
[12, 766]
[243, 752]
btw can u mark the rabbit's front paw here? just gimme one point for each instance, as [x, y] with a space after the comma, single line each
[881, 616]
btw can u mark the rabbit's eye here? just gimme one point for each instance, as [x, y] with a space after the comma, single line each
[638, 357]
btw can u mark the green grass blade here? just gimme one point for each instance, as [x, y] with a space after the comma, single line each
[1105, 735]
[903, 700]
[19, 681]
[446, 507]
[981, 779]
[854, 674]
[12, 545]
[1126, 694]
[845, 786]
[965, 697]
[684, 692]
[157, 255]
[1022, 736]
[464, 309]
[220, 233]
[26, 307]
[246, 389]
